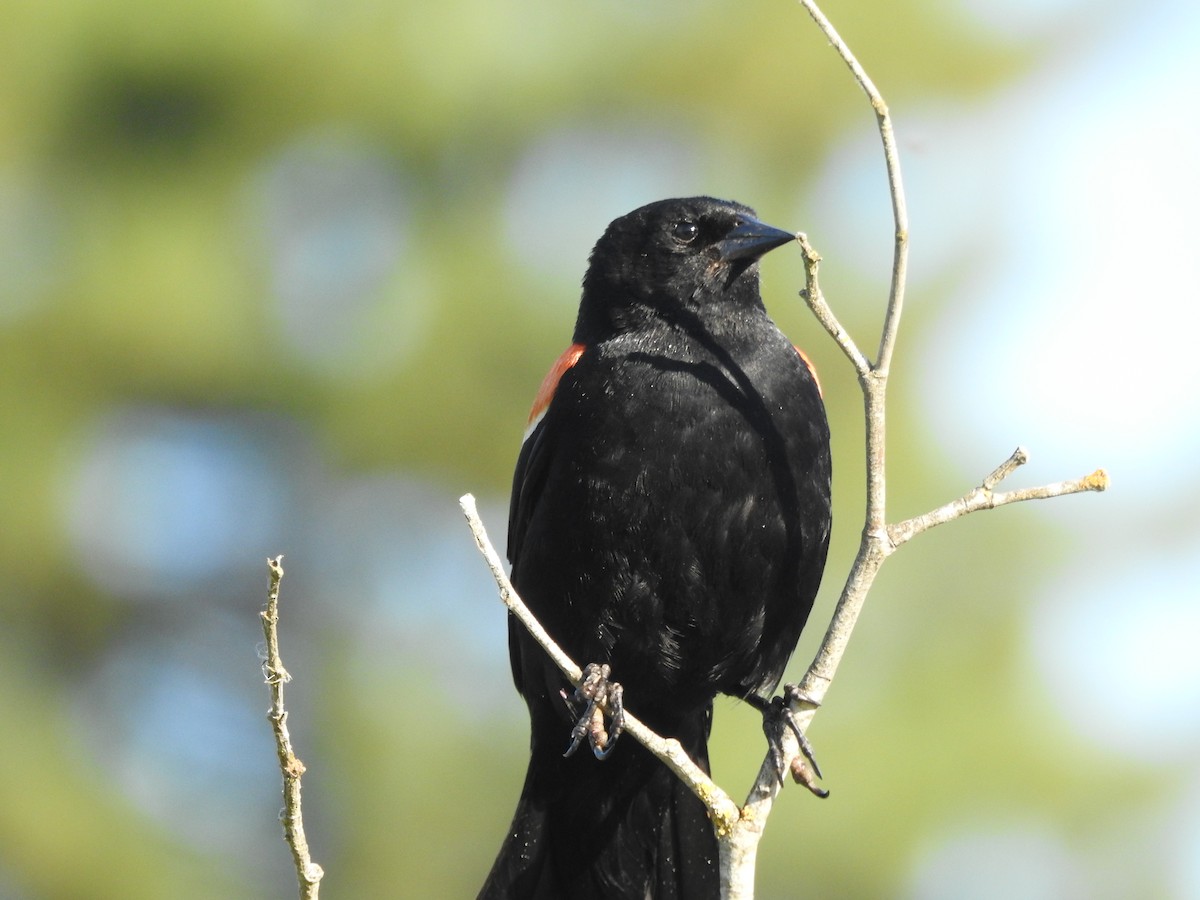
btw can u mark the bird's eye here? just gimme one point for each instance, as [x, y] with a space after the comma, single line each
[684, 232]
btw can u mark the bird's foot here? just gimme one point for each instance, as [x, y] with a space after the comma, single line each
[778, 719]
[597, 693]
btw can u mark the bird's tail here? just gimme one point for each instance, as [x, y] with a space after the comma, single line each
[622, 827]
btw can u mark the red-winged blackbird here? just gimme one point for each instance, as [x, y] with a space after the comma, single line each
[670, 517]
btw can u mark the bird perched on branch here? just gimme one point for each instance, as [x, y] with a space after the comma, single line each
[669, 522]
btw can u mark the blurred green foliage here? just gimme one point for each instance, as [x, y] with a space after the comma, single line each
[135, 141]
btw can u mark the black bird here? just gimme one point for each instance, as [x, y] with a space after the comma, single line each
[670, 516]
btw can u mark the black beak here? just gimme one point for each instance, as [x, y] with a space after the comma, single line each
[751, 239]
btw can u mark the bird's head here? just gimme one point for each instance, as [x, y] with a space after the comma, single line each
[672, 260]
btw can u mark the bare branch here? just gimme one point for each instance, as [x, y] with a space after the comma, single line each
[816, 302]
[308, 873]
[508, 593]
[985, 497]
[874, 378]
[669, 750]
[872, 382]
[891, 325]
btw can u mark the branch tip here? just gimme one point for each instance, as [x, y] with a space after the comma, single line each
[1019, 457]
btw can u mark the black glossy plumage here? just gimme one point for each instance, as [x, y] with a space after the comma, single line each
[670, 516]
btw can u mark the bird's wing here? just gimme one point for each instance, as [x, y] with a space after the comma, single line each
[533, 461]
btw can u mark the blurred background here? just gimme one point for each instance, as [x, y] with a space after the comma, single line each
[284, 277]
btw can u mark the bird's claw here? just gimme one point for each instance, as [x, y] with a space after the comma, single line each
[598, 693]
[778, 715]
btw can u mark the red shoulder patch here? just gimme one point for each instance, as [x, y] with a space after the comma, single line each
[550, 384]
[812, 370]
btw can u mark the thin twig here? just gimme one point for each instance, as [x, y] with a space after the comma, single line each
[308, 873]
[669, 750]
[508, 593]
[1019, 457]
[985, 497]
[891, 324]
[815, 299]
